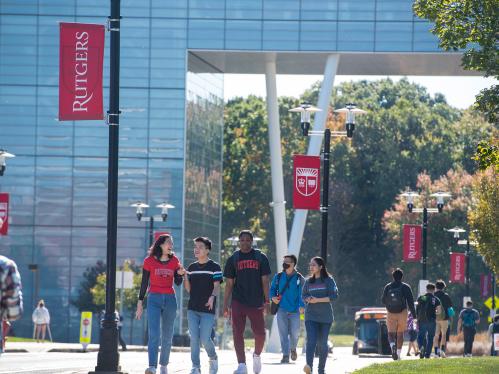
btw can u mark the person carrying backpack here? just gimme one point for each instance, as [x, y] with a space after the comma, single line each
[492, 332]
[427, 308]
[285, 293]
[468, 319]
[443, 316]
[397, 297]
[247, 282]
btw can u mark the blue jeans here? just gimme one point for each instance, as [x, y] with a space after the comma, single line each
[426, 331]
[317, 335]
[289, 329]
[161, 312]
[200, 328]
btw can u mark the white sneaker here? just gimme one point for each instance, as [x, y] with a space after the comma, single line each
[163, 369]
[241, 369]
[442, 354]
[150, 370]
[257, 364]
[195, 371]
[213, 366]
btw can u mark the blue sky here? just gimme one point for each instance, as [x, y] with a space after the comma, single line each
[459, 91]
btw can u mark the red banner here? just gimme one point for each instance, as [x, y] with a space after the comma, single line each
[485, 285]
[457, 267]
[306, 179]
[4, 213]
[81, 57]
[412, 243]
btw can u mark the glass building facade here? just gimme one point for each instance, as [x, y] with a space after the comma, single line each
[170, 128]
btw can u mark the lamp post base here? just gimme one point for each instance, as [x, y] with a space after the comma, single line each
[108, 358]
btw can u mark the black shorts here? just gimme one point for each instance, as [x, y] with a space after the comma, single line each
[413, 335]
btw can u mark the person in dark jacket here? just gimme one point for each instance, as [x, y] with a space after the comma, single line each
[442, 324]
[397, 297]
[427, 316]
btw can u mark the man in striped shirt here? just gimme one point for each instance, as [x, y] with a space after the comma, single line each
[202, 281]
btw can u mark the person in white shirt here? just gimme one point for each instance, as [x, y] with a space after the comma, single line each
[41, 318]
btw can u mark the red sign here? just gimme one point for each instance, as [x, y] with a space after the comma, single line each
[457, 267]
[81, 56]
[306, 178]
[412, 243]
[4, 213]
[485, 285]
[157, 234]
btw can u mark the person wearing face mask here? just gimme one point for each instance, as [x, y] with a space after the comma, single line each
[285, 291]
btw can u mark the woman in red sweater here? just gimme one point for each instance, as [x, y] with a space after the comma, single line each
[160, 271]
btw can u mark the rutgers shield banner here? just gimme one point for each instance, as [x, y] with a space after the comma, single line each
[4, 213]
[412, 243]
[306, 178]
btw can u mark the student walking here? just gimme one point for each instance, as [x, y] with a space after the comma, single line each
[318, 292]
[119, 319]
[427, 315]
[160, 270]
[247, 282]
[11, 297]
[202, 281]
[442, 323]
[286, 293]
[468, 319]
[41, 319]
[397, 297]
[412, 329]
[492, 332]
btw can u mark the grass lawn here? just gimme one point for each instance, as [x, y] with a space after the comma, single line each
[16, 339]
[475, 365]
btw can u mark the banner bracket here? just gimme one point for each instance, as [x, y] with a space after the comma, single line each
[109, 27]
[109, 120]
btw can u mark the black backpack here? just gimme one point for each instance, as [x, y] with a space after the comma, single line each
[395, 300]
[425, 306]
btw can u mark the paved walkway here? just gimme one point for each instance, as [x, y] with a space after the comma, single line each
[45, 358]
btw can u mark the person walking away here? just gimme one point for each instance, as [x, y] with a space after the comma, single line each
[412, 329]
[468, 319]
[161, 269]
[397, 297]
[286, 292]
[11, 296]
[493, 333]
[202, 282]
[247, 283]
[119, 319]
[442, 324]
[318, 292]
[427, 315]
[41, 318]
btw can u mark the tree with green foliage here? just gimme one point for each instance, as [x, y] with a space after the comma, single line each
[405, 132]
[470, 25]
[85, 301]
[484, 217]
[130, 296]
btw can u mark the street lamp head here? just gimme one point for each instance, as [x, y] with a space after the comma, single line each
[164, 210]
[440, 196]
[351, 110]
[4, 155]
[233, 240]
[305, 109]
[410, 196]
[456, 231]
[140, 206]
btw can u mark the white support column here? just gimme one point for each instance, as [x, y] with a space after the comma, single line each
[278, 203]
[314, 146]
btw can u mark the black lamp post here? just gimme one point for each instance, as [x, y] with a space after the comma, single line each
[410, 196]
[305, 110]
[108, 357]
